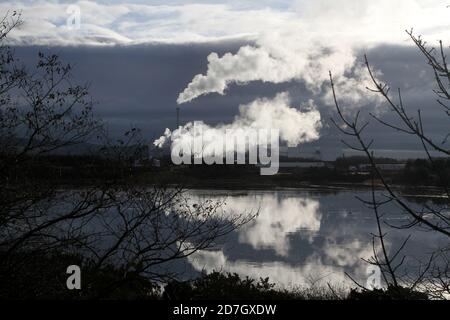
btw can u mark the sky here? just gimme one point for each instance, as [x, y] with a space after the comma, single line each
[239, 64]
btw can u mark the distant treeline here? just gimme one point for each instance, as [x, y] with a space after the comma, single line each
[436, 172]
[80, 169]
[73, 168]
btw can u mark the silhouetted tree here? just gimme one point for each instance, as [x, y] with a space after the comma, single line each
[111, 225]
[433, 276]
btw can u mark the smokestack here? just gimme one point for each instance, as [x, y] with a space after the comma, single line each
[178, 117]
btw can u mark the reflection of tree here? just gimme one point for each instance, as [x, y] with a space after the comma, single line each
[433, 276]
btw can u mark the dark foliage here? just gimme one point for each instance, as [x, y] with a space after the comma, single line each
[216, 286]
[44, 277]
[391, 293]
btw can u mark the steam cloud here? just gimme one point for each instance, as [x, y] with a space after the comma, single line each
[295, 126]
[275, 62]
[278, 58]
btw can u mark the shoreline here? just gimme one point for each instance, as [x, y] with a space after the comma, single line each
[424, 192]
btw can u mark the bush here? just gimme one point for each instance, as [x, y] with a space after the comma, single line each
[33, 276]
[216, 286]
[391, 293]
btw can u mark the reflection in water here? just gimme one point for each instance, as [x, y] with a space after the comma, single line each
[278, 218]
[313, 271]
[300, 238]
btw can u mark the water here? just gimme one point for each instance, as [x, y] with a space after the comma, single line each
[304, 238]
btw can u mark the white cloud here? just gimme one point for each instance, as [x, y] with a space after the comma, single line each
[342, 21]
[137, 23]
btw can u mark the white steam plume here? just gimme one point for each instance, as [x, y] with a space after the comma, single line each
[295, 126]
[281, 57]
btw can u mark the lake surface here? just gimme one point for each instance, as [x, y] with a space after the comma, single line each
[303, 238]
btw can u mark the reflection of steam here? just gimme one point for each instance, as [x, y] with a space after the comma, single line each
[337, 242]
[278, 218]
[348, 255]
[326, 265]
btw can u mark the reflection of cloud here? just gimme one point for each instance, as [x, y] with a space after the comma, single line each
[283, 274]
